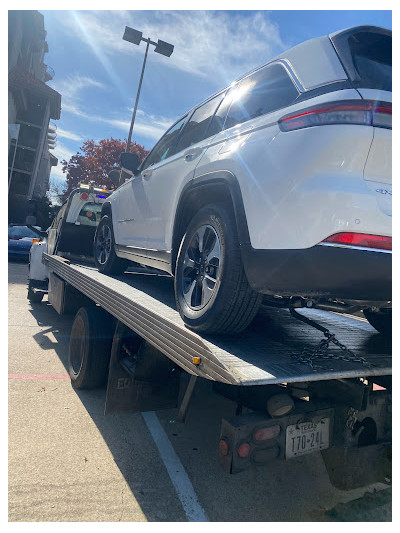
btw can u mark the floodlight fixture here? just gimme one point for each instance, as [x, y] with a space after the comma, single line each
[161, 47]
[132, 36]
[164, 48]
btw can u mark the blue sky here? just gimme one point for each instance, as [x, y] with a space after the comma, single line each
[97, 73]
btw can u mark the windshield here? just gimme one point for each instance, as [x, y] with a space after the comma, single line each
[372, 58]
[18, 232]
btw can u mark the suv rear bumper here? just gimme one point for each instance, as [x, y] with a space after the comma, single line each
[321, 271]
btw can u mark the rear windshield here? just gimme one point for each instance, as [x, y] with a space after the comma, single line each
[372, 58]
[90, 214]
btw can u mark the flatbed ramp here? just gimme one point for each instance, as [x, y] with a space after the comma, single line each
[266, 353]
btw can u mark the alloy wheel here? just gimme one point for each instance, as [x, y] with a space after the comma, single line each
[201, 267]
[103, 244]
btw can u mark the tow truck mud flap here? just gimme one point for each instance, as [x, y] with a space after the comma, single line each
[64, 298]
[349, 468]
[140, 377]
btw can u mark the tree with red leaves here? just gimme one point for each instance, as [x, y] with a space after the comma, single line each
[94, 161]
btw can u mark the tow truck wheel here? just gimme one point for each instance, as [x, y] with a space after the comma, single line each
[90, 348]
[105, 257]
[380, 320]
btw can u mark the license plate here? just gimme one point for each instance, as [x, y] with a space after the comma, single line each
[307, 437]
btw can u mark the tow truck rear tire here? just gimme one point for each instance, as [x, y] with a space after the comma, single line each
[105, 258]
[90, 348]
[380, 320]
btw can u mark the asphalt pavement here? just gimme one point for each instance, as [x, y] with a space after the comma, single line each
[68, 462]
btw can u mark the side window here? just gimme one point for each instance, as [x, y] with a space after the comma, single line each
[372, 57]
[266, 90]
[163, 148]
[197, 128]
[90, 214]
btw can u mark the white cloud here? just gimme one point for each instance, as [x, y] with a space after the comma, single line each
[207, 43]
[149, 126]
[71, 86]
[61, 152]
[68, 135]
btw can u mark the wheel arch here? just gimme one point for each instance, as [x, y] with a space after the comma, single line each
[217, 186]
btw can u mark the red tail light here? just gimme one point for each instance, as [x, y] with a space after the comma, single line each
[361, 239]
[243, 450]
[361, 112]
[263, 434]
[223, 447]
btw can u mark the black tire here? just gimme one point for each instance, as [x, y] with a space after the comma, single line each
[104, 254]
[381, 320]
[90, 348]
[214, 296]
[34, 297]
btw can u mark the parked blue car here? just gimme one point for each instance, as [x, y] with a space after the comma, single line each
[20, 240]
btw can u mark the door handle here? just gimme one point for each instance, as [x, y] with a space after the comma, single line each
[192, 153]
[146, 174]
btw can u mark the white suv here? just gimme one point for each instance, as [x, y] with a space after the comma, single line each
[278, 185]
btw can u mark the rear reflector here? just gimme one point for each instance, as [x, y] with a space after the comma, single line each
[361, 239]
[361, 112]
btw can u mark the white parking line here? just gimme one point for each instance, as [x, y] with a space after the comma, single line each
[175, 469]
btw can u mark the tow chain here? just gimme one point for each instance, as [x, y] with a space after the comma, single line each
[309, 355]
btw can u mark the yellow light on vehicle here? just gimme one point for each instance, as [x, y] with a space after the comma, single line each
[83, 186]
[35, 240]
[196, 360]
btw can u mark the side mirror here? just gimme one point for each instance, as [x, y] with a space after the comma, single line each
[30, 220]
[129, 162]
[114, 176]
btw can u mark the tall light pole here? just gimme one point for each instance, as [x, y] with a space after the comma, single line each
[13, 130]
[161, 47]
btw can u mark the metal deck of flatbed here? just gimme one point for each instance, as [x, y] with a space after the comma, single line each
[262, 355]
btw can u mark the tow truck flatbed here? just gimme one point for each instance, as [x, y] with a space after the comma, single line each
[266, 353]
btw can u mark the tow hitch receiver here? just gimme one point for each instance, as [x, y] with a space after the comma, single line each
[254, 439]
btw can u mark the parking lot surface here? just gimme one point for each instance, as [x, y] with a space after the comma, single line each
[70, 462]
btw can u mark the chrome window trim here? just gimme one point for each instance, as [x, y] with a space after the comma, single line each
[292, 74]
[365, 249]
